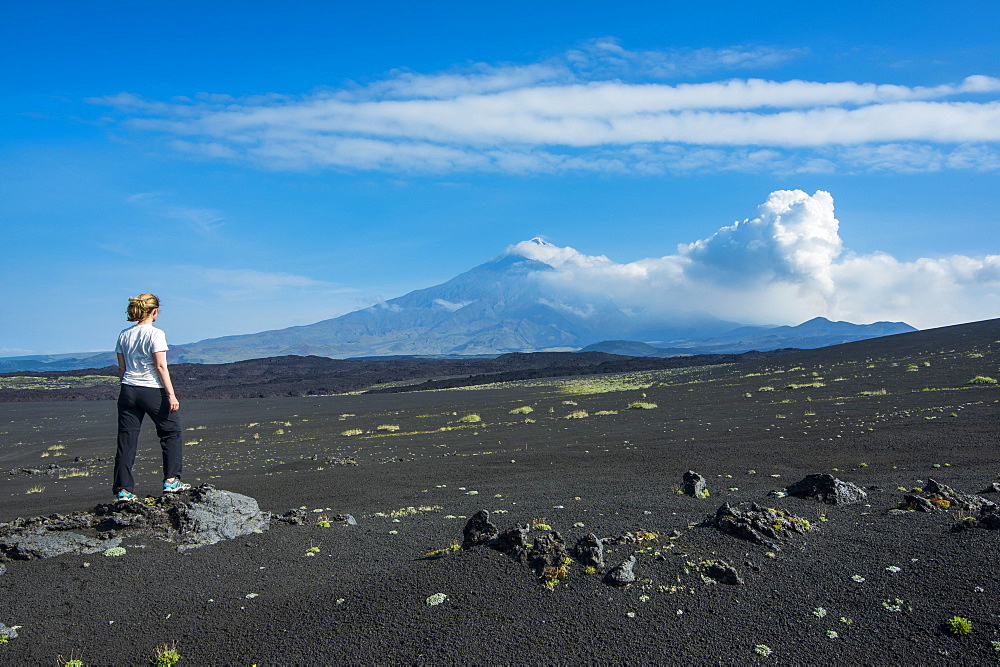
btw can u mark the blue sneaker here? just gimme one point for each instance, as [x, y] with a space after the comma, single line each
[173, 485]
[127, 495]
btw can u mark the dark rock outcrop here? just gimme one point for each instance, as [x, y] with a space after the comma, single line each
[295, 517]
[695, 485]
[762, 525]
[41, 543]
[204, 515]
[622, 574]
[826, 488]
[478, 530]
[938, 497]
[589, 551]
[513, 542]
[547, 551]
[724, 573]
[213, 515]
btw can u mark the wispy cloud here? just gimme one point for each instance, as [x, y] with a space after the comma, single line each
[599, 108]
[784, 265]
[203, 221]
[250, 284]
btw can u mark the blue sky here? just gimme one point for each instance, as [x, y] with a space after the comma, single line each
[261, 165]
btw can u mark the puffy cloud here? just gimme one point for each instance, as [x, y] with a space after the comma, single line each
[599, 108]
[784, 265]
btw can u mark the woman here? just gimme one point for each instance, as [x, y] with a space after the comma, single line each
[146, 389]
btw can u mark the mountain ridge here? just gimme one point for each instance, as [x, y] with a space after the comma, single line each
[516, 302]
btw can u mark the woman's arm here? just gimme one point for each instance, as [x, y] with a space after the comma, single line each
[121, 366]
[160, 360]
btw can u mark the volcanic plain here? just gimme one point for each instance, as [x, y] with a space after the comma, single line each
[873, 581]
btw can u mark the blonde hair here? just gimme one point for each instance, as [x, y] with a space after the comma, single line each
[139, 307]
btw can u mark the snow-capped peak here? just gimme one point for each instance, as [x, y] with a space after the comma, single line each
[541, 250]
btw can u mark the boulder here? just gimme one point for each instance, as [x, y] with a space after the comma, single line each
[214, 515]
[42, 543]
[695, 485]
[547, 551]
[762, 525]
[724, 573]
[295, 517]
[589, 551]
[622, 574]
[938, 497]
[478, 530]
[513, 542]
[826, 488]
[204, 515]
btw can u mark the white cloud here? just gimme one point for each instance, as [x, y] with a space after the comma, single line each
[784, 265]
[204, 221]
[451, 306]
[599, 108]
[250, 284]
[606, 57]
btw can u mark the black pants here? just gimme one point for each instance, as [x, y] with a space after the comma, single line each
[133, 404]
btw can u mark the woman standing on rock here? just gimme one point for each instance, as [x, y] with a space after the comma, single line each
[146, 389]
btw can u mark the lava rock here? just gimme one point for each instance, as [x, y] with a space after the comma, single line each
[762, 525]
[623, 574]
[478, 530]
[695, 485]
[214, 515]
[7, 632]
[938, 497]
[42, 543]
[513, 542]
[345, 519]
[724, 573]
[547, 551]
[992, 488]
[589, 551]
[826, 488]
[295, 517]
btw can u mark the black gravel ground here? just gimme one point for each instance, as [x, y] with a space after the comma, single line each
[886, 414]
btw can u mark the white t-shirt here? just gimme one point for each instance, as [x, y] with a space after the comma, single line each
[137, 344]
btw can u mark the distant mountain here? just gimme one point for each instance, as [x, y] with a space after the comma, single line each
[817, 332]
[501, 306]
[506, 305]
[57, 362]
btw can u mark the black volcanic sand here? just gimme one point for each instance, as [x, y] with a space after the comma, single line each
[747, 428]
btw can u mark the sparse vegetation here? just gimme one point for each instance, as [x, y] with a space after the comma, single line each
[958, 625]
[455, 546]
[471, 419]
[553, 576]
[639, 405]
[523, 410]
[61, 382]
[166, 655]
[352, 431]
[981, 379]
[35, 489]
[577, 414]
